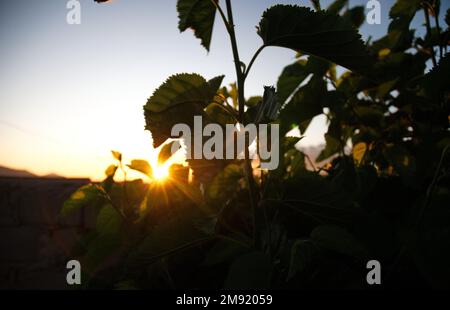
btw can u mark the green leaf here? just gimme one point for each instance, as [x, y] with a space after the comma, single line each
[171, 236]
[166, 151]
[356, 16]
[84, 196]
[224, 184]
[290, 79]
[109, 220]
[399, 36]
[176, 101]
[250, 271]
[339, 240]
[302, 254]
[117, 155]
[435, 83]
[198, 15]
[317, 33]
[223, 251]
[104, 246]
[181, 89]
[294, 74]
[304, 105]
[111, 171]
[142, 166]
[308, 195]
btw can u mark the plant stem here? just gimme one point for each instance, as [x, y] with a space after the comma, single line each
[428, 25]
[237, 62]
[253, 60]
[241, 101]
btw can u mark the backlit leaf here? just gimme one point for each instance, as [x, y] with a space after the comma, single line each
[198, 15]
[317, 33]
[142, 166]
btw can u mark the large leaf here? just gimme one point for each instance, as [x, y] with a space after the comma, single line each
[304, 105]
[225, 184]
[198, 15]
[339, 240]
[250, 271]
[86, 195]
[166, 151]
[436, 81]
[171, 236]
[399, 36]
[301, 256]
[176, 101]
[109, 220]
[317, 33]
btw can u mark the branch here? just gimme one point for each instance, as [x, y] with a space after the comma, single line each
[253, 60]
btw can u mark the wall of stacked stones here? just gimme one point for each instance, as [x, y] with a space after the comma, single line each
[34, 241]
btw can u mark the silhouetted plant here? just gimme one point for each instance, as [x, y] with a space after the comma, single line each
[228, 226]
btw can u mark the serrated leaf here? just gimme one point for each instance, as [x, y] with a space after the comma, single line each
[436, 82]
[356, 16]
[183, 88]
[177, 101]
[198, 15]
[316, 33]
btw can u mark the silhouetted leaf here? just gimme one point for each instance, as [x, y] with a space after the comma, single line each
[198, 15]
[224, 184]
[250, 271]
[356, 16]
[84, 196]
[109, 220]
[117, 155]
[339, 240]
[304, 105]
[166, 151]
[301, 256]
[176, 101]
[317, 33]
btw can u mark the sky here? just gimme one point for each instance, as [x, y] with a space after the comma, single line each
[71, 93]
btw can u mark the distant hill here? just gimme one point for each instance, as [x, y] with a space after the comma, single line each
[8, 172]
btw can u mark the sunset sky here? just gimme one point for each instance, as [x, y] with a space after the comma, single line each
[71, 93]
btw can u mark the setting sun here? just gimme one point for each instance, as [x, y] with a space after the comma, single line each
[160, 172]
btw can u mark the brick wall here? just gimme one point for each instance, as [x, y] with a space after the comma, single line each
[34, 241]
